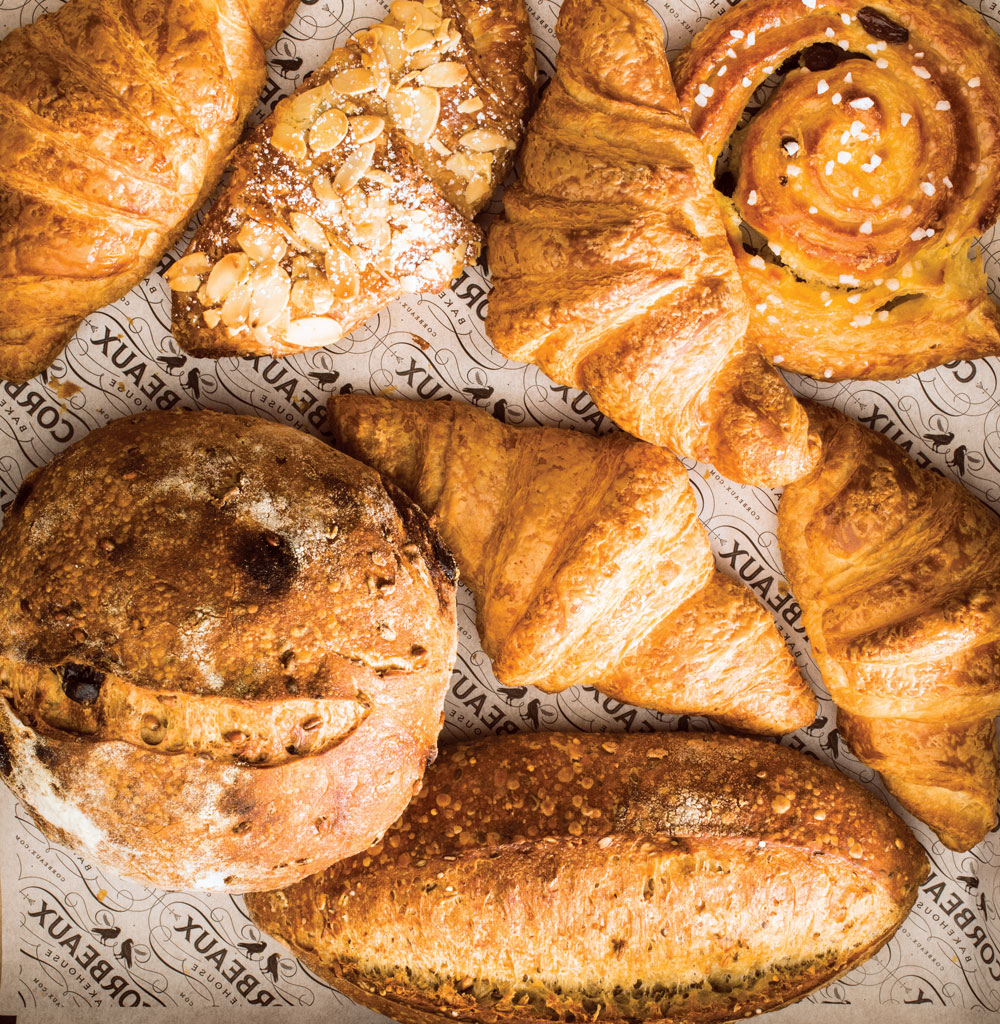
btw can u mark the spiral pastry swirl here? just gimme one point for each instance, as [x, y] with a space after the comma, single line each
[863, 179]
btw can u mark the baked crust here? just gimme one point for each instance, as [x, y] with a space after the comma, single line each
[116, 119]
[676, 876]
[611, 268]
[224, 649]
[897, 570]
[864, 178]
[363, 183]
[587, 560]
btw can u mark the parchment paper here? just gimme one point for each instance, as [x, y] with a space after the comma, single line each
[79, 945]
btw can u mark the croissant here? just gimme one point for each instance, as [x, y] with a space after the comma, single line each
[116, 118]
[897, 571]
[854, 195]
[587, 560]
[362, 184]
[611, 268]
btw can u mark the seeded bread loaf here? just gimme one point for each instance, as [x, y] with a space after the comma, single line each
[224, 648]
[550, 877]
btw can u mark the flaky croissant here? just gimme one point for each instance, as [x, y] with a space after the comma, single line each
[362, 184]
[897, 571]
[862, 181]
[587, 560]
[611, 269]
[116, 118]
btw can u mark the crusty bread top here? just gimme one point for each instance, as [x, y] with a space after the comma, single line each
[220, 556]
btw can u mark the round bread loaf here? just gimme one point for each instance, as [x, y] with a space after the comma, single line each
[224, 649]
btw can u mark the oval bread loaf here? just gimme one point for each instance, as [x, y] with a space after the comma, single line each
[224, 649]
[546, 877]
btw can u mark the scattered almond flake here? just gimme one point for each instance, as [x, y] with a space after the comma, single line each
[866, 228]
[484, 140]
[904, 119]
[814, 209]
[843, 44]
[947, 182]
[927, 188]
[791, 147]
[846, 19]
[746, 83]
[757, 262]
[444, 74]
[917, 234]
[829, 33]
[974, 82]
[752, 198]
[849, 280]
[193, 264]
[843, 157]
[793, 171]
[778, 359]
[882, 63]
[829, 167]
[722, 70]
[921, 72]
[731, 53]
[701, 100]
[835, 98]
[313, 332]
[854, 299]
[942, 105]
[470, 106]
[821, 87]
[864, 103]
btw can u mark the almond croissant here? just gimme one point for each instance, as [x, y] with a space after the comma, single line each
[612, 270]
[587, 560]
[116, 118]
[362, 184]
[897, 571]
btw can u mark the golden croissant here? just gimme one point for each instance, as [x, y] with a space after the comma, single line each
[116, 119]
[897, 571]
[855, 193]
[587, 560]
[361, 185]
[611, 268]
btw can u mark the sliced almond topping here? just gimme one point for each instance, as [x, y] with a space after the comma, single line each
[471, 105]
[484, 140]
[391, 41]
[354, 167]
[211, 317]
[420, 61]
[288, 138]
[326, 193]
[416, 111]
[314, 332]
[417, 41]
[373, 234]
[366, 128]
[270, 295]
[236, 308]
[185, 283]
[408, 13]
[470, 165]
[444, 74]
[438, 146]
[353, 81]
[186, 266]
[226, 274]
[430, 19]
[380, 177]
[308, 230]
[328, 132]
[441, 33]
[311, 296]
[260, 242]
[342, 273]
[476, 190]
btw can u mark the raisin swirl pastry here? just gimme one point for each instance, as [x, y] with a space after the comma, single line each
[362, 184]
[868, 173]
[224, 649]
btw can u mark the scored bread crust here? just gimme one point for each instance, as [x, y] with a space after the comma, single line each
[685, 877]
[272, 632]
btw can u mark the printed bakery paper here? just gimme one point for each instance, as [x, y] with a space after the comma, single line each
[82, 946]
